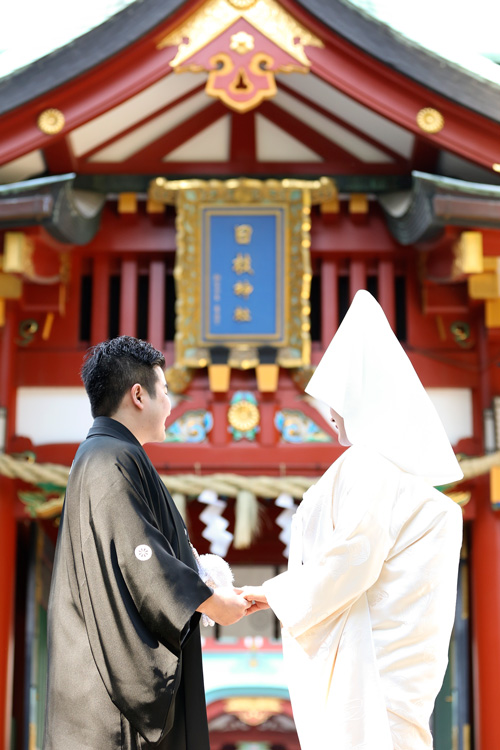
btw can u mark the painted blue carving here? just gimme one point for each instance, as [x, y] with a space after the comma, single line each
[192, 427]
[296, 427]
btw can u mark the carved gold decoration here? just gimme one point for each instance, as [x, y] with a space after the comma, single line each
[18, 254]
[253, 710]
[242, 42]
[259, 67]
[189, 196]
[215, 16]
[242, 4]
[11, 287]
[51, 121]
[243, 416]
[178, 378]
[430, 120]
[301, 376]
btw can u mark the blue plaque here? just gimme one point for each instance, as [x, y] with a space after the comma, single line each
[243, 267]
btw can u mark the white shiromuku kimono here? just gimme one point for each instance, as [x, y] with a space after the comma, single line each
[367, 603]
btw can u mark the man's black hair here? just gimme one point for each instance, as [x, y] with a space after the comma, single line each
[112, 367]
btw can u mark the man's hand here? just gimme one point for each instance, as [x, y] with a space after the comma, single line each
[226, 606]
[257, 598]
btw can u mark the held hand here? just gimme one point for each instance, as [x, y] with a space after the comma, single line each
[257, 598]
[226, 605]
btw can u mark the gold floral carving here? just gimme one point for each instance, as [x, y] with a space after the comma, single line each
[430, 120]
[178, 378]
[242, 42]
[243, 416]
[51, 121]
[215, 16]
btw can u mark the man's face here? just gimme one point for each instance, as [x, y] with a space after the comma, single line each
[339, 428]
[157, 409]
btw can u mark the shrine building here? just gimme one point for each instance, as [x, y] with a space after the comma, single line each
[219, 177]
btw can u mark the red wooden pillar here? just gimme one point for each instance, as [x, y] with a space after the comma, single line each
[156, 305]
[329, 302]
[220, 432]
[485, 571]
[387, 291]
[100, 300]
[7, 583]
[357, 277]
[268, 431]
[128, 298]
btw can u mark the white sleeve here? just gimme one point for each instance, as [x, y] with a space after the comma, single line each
[327, 585]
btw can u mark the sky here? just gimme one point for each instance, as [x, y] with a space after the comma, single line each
[457, 30]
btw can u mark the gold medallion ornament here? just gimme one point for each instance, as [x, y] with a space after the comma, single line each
[243, 416]
[51, 121]
[430, 120]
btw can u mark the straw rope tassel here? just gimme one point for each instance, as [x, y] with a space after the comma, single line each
[247, 522]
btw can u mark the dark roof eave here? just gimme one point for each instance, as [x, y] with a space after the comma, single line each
[84, 53]
[435, 202]
[407, 57]
[52, 203]
[354, 25]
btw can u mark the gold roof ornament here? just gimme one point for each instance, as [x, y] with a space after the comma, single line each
[51, 121]
[430, 120]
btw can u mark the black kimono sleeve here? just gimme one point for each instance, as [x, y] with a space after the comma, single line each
[138, 600]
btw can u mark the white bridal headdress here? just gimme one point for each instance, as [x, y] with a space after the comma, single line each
[367, 378]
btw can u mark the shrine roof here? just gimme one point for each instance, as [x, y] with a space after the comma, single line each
[465, 87]
[85, 52]
[68, 214]
[451, 79]
[421, 214]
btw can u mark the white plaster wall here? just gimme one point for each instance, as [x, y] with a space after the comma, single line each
[53, 415]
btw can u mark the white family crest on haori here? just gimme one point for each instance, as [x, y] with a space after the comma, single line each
[368, 601]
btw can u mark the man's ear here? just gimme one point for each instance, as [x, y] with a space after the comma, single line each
[137, 395]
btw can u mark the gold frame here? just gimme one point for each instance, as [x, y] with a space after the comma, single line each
[190, 196]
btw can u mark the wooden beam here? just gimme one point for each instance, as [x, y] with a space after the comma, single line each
[314, 105]
[150, 157]
[242, 144]
[311, 138]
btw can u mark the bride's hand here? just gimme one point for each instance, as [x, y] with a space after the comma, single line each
[257, 597]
